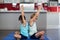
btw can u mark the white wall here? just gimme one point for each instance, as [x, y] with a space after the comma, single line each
[58, 1]
[53, 25]
[1, 1]
[10, 21]
[59, 26]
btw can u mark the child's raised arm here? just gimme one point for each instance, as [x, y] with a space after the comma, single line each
[37, 13]
[22, 13]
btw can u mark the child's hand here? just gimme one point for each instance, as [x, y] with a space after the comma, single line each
[22, 7]
[40, 7]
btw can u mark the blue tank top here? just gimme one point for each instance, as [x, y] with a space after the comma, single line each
[24, 29]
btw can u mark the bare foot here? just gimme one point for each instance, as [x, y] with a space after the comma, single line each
[42, 32]
[17, 36]
[39, 33]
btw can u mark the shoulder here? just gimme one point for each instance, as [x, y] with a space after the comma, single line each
[34, 23]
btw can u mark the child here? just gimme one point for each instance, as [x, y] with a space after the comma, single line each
[33, 28]
[23, 26]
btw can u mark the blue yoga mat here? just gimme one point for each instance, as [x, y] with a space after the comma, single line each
[10, 36]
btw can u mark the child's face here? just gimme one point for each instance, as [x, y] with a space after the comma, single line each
[35, 19]
[22, 21]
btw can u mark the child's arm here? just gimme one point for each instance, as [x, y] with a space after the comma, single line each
[22, 12]
[37, 13]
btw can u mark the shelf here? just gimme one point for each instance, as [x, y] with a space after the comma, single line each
[25, 11]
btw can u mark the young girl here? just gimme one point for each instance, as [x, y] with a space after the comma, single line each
[33, 28]
[23, 26]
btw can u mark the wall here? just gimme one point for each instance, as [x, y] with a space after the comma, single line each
[59, 26]
[53, 25]
[48, 21]
[9, 21]
[1, 1]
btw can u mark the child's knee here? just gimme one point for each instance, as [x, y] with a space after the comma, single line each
[42, 32]
[17, 36]
[17, 32]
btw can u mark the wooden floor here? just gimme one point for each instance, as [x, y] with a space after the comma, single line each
[4, 33]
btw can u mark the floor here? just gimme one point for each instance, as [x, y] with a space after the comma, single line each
[3, 33]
